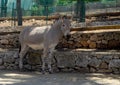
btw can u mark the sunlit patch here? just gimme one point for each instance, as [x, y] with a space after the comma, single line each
[74, 79]
[16, 75]
[12, 78]
[5, 81]
[103, 79]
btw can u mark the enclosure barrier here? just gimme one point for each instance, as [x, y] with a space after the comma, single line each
[72, 57]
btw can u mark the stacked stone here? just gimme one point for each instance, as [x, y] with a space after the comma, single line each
[67, 60]
[89, 62]
[93, 40]
[9, 60]
[9, 41]
[104, 40]
[82, 61]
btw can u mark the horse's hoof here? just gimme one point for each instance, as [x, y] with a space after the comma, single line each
[50, 72]
[43, 72]
[21, 70]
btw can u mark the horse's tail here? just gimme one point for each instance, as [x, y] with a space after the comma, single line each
[19, 48]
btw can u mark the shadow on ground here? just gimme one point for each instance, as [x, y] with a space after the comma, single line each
[36, 78]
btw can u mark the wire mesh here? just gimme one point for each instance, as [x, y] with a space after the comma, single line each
[32, 8]
[98, 10]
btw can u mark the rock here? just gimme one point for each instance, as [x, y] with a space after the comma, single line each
[92, 45]
[4, 42]
[88, 41]
[84, 43]
[16, 54]
[17, 62]
[15, 68]
[28, 67]
[94, 62]
[82, 69]
[115, 63]
[104, 41]
[117, 37]
[93, 38]
[99, 56]
[70, 42]
[92, 69]
[8, 58]
[34, 58]
[82, 60]
[2, 67]
[116, 57]
[113, 44]
[109, 36]
[102, 46]
[2, 55]
[65, 59]
[98, 42]
[116, 70]
[77, 45]
[103, 65]
[67, 70]
[104, 71]
[107, 58]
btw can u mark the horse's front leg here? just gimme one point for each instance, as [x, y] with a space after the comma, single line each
[43, 63]
[22, 53]
[50, 57]
[47, 59]
[50, 63]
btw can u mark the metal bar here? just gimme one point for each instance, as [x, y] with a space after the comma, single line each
[19, 13]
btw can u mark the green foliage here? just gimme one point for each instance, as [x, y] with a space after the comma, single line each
[67, 2]
[109, 3]
[92, 0]
[47, 2]
[64, 2]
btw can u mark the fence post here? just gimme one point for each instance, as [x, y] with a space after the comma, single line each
[19, 13]
[2, 8]
[82, 11]
[5, 8]
[13, 23]
[46, 11]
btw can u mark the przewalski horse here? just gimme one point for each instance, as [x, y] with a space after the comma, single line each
[46, 38]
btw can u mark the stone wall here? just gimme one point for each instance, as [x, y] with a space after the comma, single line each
[99, 39]
[92, 39]
[9, 41]
[75, 60]
[78, 60]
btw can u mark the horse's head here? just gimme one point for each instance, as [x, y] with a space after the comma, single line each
[65, 26]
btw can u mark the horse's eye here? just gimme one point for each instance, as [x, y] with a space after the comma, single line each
[63, 25]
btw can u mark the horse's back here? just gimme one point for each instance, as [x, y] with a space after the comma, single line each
[33, 36]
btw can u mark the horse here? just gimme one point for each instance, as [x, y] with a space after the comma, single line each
[43, 38]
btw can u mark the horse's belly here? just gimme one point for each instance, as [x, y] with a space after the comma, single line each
[36, 47]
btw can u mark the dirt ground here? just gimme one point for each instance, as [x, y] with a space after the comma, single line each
[36, 78]
[31, 22]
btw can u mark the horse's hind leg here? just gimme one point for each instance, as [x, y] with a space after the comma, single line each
[24, 49]
[45, 54]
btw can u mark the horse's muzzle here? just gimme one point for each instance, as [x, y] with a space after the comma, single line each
[67, 37]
